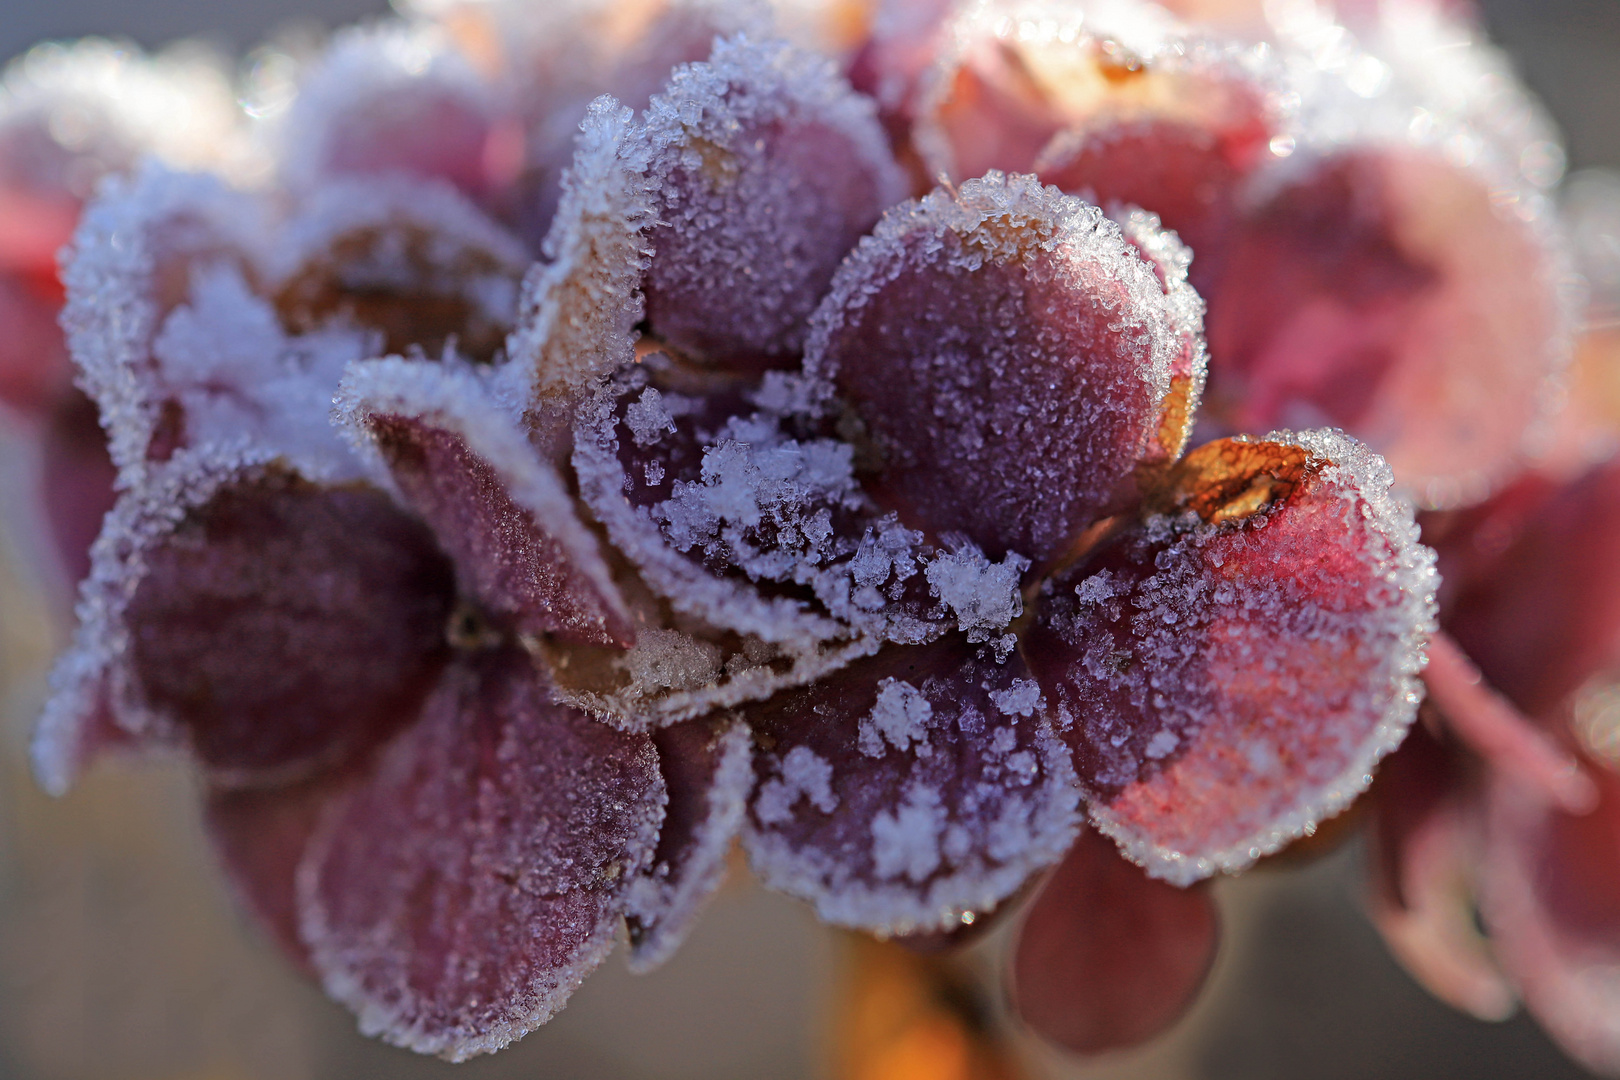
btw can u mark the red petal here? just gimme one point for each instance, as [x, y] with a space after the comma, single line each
[285, 627]
[1384, 293]
[1551, 900]
[34, 365]
[1107, 957]
[752, 221]
[913, 791]
[1009, 355]
[1427, 847]
[1230, 680]
[503, 514]
[457, 897]
[708, 770]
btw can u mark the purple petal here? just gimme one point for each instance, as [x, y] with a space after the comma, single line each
[503, 514]
[1107, 957]
[1009, 356]
[458, 896]
[913, 791]
[707, 767]
[1228, 680]
[1551, 900]
[34, 365]
[752, 220]
[76, 481]
[1383, 292]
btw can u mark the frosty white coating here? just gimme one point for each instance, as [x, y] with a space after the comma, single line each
[1360, 483]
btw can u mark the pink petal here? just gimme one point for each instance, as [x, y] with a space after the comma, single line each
[504, 515]
[912, 792]
[1229, 680]
[285, 627]
[1107, 957]
[707, 767]
[1384, 293]
[1426, 851]
[1551, 900]
[76, 481]
[458, 896]
[752, 221]
[394, 97]
[1539, 611]
[1009, 356]
[34, 367]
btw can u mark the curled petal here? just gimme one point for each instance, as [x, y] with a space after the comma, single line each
[274, 626]
[500, 511]
[913, 793]
[707, 767]
[752, 221]
[394, 98]
[1008, 355]
[410, 260]
[1427, 846]
[1551, 900]
[1383, 291]
[1107, 957]
[457, 896]
[1228, 677]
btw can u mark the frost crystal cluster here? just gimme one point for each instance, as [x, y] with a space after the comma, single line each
[548, 442]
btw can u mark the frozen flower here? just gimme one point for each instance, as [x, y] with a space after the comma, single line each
[766, 501]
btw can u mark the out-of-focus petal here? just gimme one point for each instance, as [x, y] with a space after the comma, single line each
[1008, 356]
[395, 97]
[707, 767]
[1229, 679]
[1427, 845]
[915, 791]
[501, 513]
[456, 897]
[34, 367]
[1383, 291]
[751, 220]
[1551, 901]
[76, 481]
[1107, 957]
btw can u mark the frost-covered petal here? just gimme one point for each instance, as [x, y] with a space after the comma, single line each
[1551, 900]
[1107, 957]
[1113, 101]
[396, 97]
[457, 896]
[501, 512]
[273, 626]
[913, 792]
[752, 221]
[409, 259]
[707, 766]
[1229, 670]
[1425, 856]
[1384, 291]
[1007, 354]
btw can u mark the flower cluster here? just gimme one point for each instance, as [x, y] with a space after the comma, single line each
[553, 441]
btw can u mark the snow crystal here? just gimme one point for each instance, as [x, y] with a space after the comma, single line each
[983, 596]
[648, 420]
[908, 841]
[900, 716]
[1022, 698]
[805, 774]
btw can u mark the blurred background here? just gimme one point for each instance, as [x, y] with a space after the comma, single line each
[122, 959]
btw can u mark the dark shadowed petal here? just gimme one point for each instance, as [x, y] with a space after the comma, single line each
[283, 626]
[1008, 354]
[1539, 607]
[396, 98]
[753, 216]
[707, 767]
[1228, 672]
[1383, 292]
[500, 511]
[914, 791]
[457, 897]
[1107, 957]
[76, 481]
[1425, 856]
[1551, 900]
